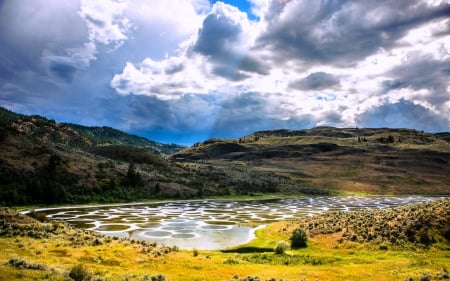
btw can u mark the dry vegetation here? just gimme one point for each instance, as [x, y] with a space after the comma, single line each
[374, 161]
[45, 162]
[417, 225]
[55, 251]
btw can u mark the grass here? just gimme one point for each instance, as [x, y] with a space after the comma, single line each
[351, 262]
[64, 250]
[319, 261]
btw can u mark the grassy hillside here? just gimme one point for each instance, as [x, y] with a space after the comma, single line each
[375, 161]
[78, 136]
[55, 251]
[46, 162]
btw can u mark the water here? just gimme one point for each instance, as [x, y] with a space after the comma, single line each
[210, 224]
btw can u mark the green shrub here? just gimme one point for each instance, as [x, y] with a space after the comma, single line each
[383, 246]
[281, 247]
[79, 273]
[158, 277]
[299, 238]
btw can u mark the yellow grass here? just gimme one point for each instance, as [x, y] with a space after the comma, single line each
[120, 260]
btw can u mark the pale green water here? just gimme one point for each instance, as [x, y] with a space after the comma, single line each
[210, 224]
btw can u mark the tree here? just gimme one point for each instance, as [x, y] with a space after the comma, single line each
[53, 163]
[133, 178]
[390, 139]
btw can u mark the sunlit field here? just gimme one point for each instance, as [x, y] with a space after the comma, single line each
[54, 251]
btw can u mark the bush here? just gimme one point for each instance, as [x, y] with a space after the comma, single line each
[299, 238]
[383, 246]
[79, 273]
[281, 247]
[158, 277]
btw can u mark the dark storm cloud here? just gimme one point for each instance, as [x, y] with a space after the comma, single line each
[219, 39]
[30, 28]
[331, 118]
[249, 112]
[393, 85]
[342, 32]
[315, 81]
[62, 70]
[422, 72]
[404, 114]
[252, 64]
[217, 33]
[229, 73]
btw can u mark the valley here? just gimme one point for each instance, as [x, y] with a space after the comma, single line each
[44, 163]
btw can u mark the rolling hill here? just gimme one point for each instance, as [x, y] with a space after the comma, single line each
[375, 161]
[46, 162]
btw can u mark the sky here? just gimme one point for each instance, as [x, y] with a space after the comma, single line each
[182, 71]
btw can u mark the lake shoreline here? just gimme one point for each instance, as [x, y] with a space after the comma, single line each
[209, 224]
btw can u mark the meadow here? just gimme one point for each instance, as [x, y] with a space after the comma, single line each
[56, 251]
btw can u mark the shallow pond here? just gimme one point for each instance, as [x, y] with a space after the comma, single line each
[209, 224]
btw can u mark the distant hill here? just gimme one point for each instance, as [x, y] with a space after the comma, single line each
[73, 135]
[353, 160]
[43, 161]
[46, 162]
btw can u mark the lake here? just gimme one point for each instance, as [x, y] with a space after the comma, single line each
[209, 224]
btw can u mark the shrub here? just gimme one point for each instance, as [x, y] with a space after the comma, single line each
[79, 273]
[299, 238]
[158, 277]
[195, 252]
[281, 247]
[383, 246]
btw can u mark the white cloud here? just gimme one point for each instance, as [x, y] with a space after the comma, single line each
[175, 18]
[211, 60]
[323, 61]
[204, 62]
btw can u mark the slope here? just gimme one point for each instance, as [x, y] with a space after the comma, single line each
[376, 161]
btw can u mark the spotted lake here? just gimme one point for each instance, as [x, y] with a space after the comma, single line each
[209, 224]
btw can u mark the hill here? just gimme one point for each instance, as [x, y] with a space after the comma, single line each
[46, 162]
[375, 161]
[77, 136]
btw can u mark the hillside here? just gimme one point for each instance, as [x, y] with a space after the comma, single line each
[376, 161]
[78, 136]
[46, 162]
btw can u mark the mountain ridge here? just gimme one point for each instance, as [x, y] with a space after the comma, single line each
[84, 136]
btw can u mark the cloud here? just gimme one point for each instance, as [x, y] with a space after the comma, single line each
[316, 81]
[55, 39]
[404, 114]
[205, 63]
[224, 39]
[341, 32]
[65, 71]
[105, 21]
[177, 69]
[219, 32]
